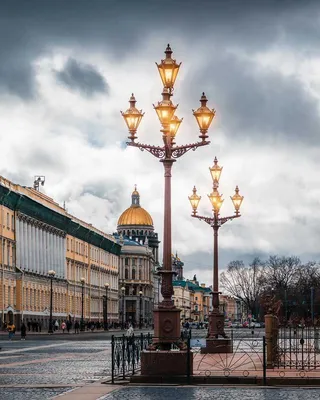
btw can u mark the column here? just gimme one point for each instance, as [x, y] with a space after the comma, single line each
[26, 241]
[36, 249]
[41, 252]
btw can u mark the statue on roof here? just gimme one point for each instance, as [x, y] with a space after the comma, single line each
[194, 277]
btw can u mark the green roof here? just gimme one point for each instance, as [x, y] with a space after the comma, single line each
[24, 204]
[191, 286]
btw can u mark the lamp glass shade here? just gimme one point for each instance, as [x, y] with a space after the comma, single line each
[132, 116]
[106, 285]
[174, 125]
[194, 199]
[216, 200]
[215, 171]
[237, 199]
[168, 69]
[51, 272]
[204, 115]
[82, 280]
[165, 112]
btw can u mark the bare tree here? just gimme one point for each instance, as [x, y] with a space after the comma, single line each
[244, 282]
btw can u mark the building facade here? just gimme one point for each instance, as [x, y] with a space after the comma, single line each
[193, 299]
[37, 235]
[138, 265]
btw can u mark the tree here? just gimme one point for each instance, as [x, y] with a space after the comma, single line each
[244, 282]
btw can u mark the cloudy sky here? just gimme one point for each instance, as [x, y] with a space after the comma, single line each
[68, 67]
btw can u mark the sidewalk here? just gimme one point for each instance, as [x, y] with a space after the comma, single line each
[72, 332]
[92, 391]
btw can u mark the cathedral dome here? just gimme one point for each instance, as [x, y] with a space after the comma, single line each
[135, 215]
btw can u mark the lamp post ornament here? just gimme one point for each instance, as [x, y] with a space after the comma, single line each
[216, 319]
[167, 316]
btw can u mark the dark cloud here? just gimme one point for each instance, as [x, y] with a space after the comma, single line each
[255, 102]
[82, 77]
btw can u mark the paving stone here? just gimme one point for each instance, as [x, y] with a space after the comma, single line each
[206, 393]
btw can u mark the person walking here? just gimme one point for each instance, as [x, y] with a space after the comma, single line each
[11, 329]
[63, 326]
[56, 325]
[23, 331]
[76, 327]
[130, 335]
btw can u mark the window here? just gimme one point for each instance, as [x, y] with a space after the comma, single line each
[12, 222]
[126, 261]
[8, 221]
[140, 274]
[133, 261]
[67, 244]
[126, 274]
[133, 274]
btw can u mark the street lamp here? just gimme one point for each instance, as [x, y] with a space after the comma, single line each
[167, 154]
[106, 285]
[140, 319]
[83, 281]
[123, 289]
[51, 274]
[216, 325]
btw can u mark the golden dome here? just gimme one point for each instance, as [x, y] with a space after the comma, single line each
[135, 216]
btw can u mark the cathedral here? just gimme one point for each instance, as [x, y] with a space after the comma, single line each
[139, 282]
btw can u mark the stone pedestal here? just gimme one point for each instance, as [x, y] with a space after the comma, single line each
[166, 326]
[272, 330]
[166, 363]
[215, 346]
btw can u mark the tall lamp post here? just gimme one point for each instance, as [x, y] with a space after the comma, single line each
[83, 281]
[106, 285]
[167, 316]
[123, 289]
[51, 274]
[216, 318]
[140, 308]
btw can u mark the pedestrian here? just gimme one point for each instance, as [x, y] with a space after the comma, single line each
[56, 325]
[63, 326]
[68, 326]
[76, 327]
[40, 325]
[130, 335]
[11, 329]
[23, 331]
[29, 325]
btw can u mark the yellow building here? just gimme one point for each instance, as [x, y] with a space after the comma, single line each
[37, 235]
[193, 299]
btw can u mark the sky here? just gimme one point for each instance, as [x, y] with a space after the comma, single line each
[67, 68]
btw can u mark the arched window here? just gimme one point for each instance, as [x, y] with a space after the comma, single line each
[126, 274]
[140, 274]
[126, 261]
[133, 274]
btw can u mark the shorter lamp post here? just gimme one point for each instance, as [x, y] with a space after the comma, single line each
[51, 274]
[106, 285]
[216, 325]
[123, 289]
[140, 318]
[82, 280]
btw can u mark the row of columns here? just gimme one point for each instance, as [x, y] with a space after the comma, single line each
[38, 249]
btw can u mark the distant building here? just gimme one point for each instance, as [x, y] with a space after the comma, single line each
[193, 299]
[139, 264]
[177, 267]
[37, 235]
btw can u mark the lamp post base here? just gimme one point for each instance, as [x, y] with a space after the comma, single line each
[216, 325]
[214, 346]
[166, 328]
[216, 328]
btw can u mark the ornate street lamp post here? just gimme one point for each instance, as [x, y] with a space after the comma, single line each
[167, 316]
[123, 289]
[51, 274]
[83, 281]
[216, 318]
[140, 318]
[106, 285]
